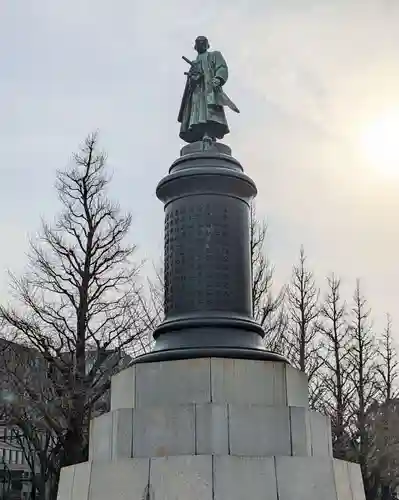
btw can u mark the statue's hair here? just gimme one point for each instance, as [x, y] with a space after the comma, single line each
[205, 38]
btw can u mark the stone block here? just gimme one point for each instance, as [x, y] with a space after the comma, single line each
[181, 478]
[259, 430]
[123, 389]
[239, 478]
[356, 481]
[242, 381]
[162, 431]
[280, 384]
[121, 480]
[65, 484]
[321, 437]
[100, 443]
[173, 382]
[296, 387]
[81, 481]
[211, 429]
[305, 478]
[301, 444]
[342, 481]
[122, 433]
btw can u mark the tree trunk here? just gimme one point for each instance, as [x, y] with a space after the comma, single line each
[75, 449]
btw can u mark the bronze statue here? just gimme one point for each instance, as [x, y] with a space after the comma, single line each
[201, 114]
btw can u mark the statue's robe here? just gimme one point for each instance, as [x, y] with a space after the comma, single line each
[201, 111]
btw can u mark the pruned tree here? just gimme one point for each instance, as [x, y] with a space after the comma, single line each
[337, 386]
[303, 311]
[267, 306]
[79, 305]
[363, 363]
[388, 367]
[154, 306]
[382, 422]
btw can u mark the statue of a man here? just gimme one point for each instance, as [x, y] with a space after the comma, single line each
[201, 114]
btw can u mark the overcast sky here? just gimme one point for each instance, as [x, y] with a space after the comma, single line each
[309, 77]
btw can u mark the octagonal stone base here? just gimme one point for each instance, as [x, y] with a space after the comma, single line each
[210, 428]
[209, 477]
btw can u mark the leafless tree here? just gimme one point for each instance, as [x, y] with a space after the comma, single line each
[155, 306]
[267, 306]
[79, 300]
[389, 364]
[40, 448]
[23, 427]
[304, 311]
[363, 361]
[383, 449]
[382, 422]
[337, 387]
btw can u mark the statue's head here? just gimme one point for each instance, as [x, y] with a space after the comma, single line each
[201, 44]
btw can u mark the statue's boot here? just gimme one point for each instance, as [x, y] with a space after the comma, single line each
[207, 142]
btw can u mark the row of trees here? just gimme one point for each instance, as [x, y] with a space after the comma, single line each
[82, 309]
[353, 370]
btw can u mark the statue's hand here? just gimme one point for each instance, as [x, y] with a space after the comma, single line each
[194, 75]
[216, 81]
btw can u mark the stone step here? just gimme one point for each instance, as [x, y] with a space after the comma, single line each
[213, 478]
[209, 380]
[210, 429]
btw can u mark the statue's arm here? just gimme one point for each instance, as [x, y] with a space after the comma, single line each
[221, 69]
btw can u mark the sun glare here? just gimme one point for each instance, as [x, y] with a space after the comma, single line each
[380, 143]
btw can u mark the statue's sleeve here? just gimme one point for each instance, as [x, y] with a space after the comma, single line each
[221, 69]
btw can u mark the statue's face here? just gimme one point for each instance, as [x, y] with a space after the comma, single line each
[201, 44]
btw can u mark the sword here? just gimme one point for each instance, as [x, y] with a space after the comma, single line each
[226, 101]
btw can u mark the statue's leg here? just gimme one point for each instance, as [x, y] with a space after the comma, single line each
[207, 141]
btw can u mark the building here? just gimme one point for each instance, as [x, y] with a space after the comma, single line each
[16, 471]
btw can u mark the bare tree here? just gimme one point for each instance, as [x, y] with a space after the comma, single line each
[267, 307]
[383, 458]
[22, 425]
[363, 361]
[40, 448]
[155, 305]
[382, 422]
[79, 301]
[304, 311]
[389, 364]
[337, 387]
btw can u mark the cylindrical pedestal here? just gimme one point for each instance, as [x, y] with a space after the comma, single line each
[208, 304]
